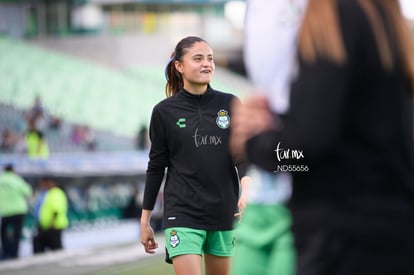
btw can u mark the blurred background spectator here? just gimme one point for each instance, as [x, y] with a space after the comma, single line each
[8, 141]
[51, 215]
[133, 209]
[14, 195]
[143, 138]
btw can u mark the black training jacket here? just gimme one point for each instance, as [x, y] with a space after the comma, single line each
[189, 136]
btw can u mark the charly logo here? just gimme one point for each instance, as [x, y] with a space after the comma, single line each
[223, 119]
[181, 122]
[174, 239]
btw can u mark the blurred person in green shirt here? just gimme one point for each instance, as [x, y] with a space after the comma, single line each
[37, 147]
[51, 216]
[14, 192]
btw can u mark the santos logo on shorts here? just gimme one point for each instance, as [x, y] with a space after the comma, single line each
[174, 239]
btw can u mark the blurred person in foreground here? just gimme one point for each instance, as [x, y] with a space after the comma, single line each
[270, 68]
[189, 134]
[14, 195]
[350, 121]
[51, 216]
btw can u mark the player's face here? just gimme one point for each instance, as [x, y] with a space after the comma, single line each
[197, 67]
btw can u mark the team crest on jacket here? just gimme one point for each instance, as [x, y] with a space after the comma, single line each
[223, 119]
[174, 239]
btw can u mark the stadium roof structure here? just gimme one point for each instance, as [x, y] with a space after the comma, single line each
[159, 1]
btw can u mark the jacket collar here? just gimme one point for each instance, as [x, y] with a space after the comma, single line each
[202, 98]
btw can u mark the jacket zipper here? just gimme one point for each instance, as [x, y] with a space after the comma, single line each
[199, 113]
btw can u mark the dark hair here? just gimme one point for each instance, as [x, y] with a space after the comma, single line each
[320, 33]
[174, 79]
[8, 167]
[46, 178]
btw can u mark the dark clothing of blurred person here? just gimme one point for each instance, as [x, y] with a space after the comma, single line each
[270, 69]
[142, 140]
[51, 217]
[8, 141]
[351, 117]
[133, 208]
[14, 192]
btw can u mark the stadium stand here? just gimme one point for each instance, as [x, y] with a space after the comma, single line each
[78, 91]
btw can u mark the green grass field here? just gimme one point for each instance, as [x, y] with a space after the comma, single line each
[154, 265]
[148, 266]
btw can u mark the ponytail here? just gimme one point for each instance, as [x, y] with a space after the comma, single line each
[174, 78]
